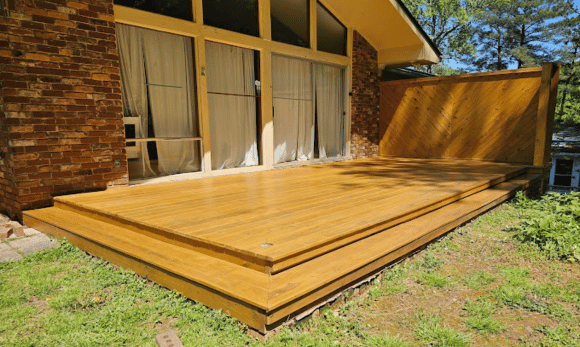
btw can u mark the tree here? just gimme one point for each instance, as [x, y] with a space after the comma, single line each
[568, 106]
[532, 24]
[447, 22]
[522, 32]
[492, 37]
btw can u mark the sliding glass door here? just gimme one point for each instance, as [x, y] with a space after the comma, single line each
[157, 78]
[232, 103]
[308, 101]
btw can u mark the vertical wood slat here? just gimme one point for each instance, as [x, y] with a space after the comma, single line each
[485, 116]
[264, 19]
[313, 25]
[202, 105]
[545, 120]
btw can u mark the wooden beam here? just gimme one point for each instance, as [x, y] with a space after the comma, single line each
[267, 119]
[543, 122]
[202, 101]
[348, 89]
[313, 25]
[198, 11]
[264, 19]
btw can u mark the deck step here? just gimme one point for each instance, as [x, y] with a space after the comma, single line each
[374, 215]
[256, 298]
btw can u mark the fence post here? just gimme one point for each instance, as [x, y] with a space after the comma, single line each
[545, 117]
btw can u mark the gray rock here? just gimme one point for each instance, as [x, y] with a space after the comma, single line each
[31, 232]
[33, 244]
[9, 254]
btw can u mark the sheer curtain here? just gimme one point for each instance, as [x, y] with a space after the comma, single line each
[134, 88]
[293, 109]
[157, 72]
[232, 106]
[169, 68]
[329, 109]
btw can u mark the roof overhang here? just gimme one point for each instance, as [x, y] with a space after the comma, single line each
[390, 28]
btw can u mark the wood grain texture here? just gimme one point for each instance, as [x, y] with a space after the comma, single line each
[264, 300]
[487, 116]
[269, 221]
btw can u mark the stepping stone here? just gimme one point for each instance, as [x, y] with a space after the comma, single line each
[5, 232]
[17, 228]
[168, 339]
[7, 253]
[33, 244]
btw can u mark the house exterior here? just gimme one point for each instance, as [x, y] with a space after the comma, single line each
[565, 171]
[98, 93]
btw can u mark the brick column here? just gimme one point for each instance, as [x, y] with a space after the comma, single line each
[60, 102]
[365, 101]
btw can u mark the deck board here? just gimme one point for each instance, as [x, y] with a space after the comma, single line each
[298, 210]
[198, 237]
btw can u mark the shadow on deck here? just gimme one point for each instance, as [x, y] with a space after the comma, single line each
[269, 245]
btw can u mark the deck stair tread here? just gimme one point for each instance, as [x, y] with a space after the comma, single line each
[283, 293]
[184, 212]
[242, 283]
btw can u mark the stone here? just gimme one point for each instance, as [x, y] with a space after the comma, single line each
[7, 253]
[31, 232]
[5, 232]
[17, 228]
[33, 244]
[167, 339]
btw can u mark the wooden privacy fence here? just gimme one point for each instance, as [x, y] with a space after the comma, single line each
[504, 116]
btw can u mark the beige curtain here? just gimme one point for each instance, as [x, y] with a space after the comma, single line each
[232, 106]
[329, 83]
[134, 88]
[169, 68]
[157, 72]
[293, 109]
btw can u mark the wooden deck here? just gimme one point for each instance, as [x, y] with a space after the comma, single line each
[267, 245]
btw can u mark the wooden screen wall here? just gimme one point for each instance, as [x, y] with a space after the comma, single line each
[502, 116]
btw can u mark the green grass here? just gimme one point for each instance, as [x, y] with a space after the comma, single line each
[479, 317]
[432, 280]
[62, 297]
[478, 279]
[430, 329]
[495, 287]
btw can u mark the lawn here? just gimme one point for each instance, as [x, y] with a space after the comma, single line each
[508, 278]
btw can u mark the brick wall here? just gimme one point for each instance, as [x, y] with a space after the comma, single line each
[60, 102]
[365, 100]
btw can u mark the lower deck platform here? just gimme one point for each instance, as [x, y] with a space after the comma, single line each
[266, 246]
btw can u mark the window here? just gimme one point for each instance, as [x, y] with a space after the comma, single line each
[181, 9]
[290, 22]
[159, 105]
[563, 172]
[236, 15]
[331, 34]
[308, 100]
[232, 82]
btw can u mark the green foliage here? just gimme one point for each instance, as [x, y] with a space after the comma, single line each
[479, 317]
[553, 225]
[447, 22]
[430, 328]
